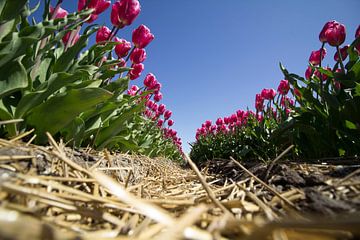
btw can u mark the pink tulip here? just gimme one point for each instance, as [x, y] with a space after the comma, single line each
[161, 109]
[60, 13]
[99, 6]
[170, 123]
[333, 33]
[103, 34]
[357, 35]
[233, 118]
[260, 118]
[208, 123]
[142, 36]
[124, 12]
[136, 71]
[150, 81]
[138, 55]
[122, 49]
[160, 123]
[308, 73]
[284, 87]
[259, 102]
[167, 114]
[343, 52]
[219, 121]
[154, 107]
[149, 103]
[121, 63]
[268, 94]
[133, 90]
[158, 97]
[314, 58]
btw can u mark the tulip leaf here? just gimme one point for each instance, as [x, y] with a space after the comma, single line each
[13, 77]
[33, 99]
[57, 112]
[11, 9]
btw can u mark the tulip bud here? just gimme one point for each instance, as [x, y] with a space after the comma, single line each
[284, 87]
[103, 34]
[138, 55]
[150, 80]
[297, 93]
[99, 6]
[268, 94]
[170, 123]
[122, 49]
[343, 52]
[161, 109]
[314, 58]
[333, 33]
[60, 13]
[142, 36]
[219, 121]
[167, 114]
[124, 12]
[160, 123]
[136, 71]
[158, 97]
[67, 36]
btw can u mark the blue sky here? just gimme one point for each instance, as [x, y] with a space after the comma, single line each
[212, 56]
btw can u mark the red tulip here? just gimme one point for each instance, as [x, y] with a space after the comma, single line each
[219, 121]
[122, 49]
[124, 12]
[136, 71]
[138, 55]
[284, 87]
[167, 114]
[343, 52]
[357, 35]
[103, 34]
[133, 90]
[161, 109]
[150, 81]
[333, 33]
[259, 102]
[268, 94]
[314, 58]
[142, 36]
[160, 123]
[60, 13]
[158, 97]
[170, 122]
[99, 6]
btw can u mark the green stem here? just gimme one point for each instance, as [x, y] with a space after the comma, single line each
[340, 59]
[321, 79]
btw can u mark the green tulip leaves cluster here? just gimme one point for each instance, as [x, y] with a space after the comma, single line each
[62, 89]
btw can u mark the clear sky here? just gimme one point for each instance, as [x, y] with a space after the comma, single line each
[213, 56]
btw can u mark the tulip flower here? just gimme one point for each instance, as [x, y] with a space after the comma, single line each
[122, 49]
[219, 121]
[99, 6]
[314, 58]
[297, 93]
[149, 103]
[124, 12]
[170, 122]
[167, 114]
[259, 102]
[121, 63]
[357, 35]
[142, 36]
[160, 123]
[150, 81]
[133, 90]
[136, 71]
[268, 94]
[333, 33]
[158, 97]
[208, 123]
[343, 52]
[161, 109]
[138, 55]
[284, 87]
[60, 13]
[103, 34]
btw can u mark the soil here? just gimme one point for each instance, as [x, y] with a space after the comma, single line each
[56, 192]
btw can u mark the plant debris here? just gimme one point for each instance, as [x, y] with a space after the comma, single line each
[56, 192]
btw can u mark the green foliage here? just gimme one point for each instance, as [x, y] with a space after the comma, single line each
[66, 88]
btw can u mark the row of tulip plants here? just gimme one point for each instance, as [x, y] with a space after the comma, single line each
[52, 80]
[318, 114]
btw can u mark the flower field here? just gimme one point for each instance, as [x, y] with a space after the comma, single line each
[88, 148]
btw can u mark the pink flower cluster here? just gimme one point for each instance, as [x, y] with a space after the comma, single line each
[155, 111]
[334, 34]
[228, 125]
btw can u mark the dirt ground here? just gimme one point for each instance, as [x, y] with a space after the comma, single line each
[56, 192]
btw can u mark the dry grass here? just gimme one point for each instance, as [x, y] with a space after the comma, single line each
[58, 193]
